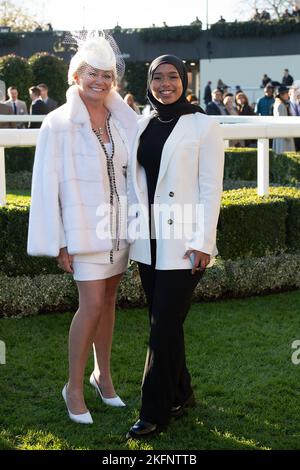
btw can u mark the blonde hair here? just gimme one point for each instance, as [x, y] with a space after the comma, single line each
[78, 66]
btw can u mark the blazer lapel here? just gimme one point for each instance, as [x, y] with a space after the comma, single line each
[170, 145]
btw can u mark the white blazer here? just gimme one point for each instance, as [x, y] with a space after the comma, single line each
[187, 197]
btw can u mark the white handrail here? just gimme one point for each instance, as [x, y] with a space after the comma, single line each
[22, 117]
[260, 128]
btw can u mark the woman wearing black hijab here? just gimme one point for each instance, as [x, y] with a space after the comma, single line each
[175, 187]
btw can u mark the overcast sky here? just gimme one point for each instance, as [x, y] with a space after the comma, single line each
[70, 14]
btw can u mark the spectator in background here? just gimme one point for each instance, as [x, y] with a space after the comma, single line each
[220, 84]
[244, 109]
[6, 109]
[287, 79]
[265, 15]
[256, 16]
[129, 99]
[264, 105]
[216, 106]
[196, 22]
[207, 93]
[242, 105]
[265, 80]
[282, 108]
[192, 99]
[228, 101]
[296, 11]
[37, 106]
[287, 14]
[17, 106]
[49, 102]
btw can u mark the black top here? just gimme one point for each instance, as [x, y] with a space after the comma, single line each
[150, 149]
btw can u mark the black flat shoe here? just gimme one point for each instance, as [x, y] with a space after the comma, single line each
[178, 411]
[142, 429]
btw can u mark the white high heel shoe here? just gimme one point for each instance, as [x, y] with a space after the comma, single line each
[83, 418]
[116, 401]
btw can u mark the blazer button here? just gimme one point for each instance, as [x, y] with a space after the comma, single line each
[171, 194]
[170, 221]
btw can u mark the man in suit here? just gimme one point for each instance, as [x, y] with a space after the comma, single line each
[17, 106]
[4, 109]
[287, 79]
[50, 103]
[37, 106]
[216, 106]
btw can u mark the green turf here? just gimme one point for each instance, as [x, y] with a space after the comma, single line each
[239, 355]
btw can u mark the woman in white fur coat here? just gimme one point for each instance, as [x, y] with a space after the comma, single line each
[78, 208]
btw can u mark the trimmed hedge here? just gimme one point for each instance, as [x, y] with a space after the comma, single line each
[15, 70]
[18, 159]
[14, 260]
[285, 168]
[250, 226]
[241, 163]
[20, 180]
[52, 70]
[23, 296]
[255, 226]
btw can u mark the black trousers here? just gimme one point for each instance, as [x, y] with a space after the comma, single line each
[166, 380]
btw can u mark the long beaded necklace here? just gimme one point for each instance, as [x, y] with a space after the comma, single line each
[112, 182]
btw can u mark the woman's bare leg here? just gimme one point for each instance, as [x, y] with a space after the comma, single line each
[81, 337]
[103, 338]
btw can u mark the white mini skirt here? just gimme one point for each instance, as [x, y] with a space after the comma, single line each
[88, 267]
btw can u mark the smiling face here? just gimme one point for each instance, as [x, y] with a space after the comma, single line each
[94, 84]
[166, 85]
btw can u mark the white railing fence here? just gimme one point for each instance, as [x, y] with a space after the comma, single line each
[258, 128]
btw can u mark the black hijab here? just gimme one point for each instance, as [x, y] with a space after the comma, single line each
[181, 106]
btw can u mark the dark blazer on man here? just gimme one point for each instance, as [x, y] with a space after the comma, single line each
[214, 110]
[51, 104]
[39, 107]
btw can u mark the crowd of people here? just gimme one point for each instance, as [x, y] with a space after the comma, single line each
[41, 104]
[279, 99]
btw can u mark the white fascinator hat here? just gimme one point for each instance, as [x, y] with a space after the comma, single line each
[97, 50]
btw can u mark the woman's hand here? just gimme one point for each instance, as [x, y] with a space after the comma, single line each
[65, 261]
[198, 259]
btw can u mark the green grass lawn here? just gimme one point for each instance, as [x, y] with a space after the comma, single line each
[239, 355]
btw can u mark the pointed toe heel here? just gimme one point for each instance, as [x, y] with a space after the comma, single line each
[83, 418]
[115, 401]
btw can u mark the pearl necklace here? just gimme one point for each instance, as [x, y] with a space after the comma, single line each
[101, 130]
